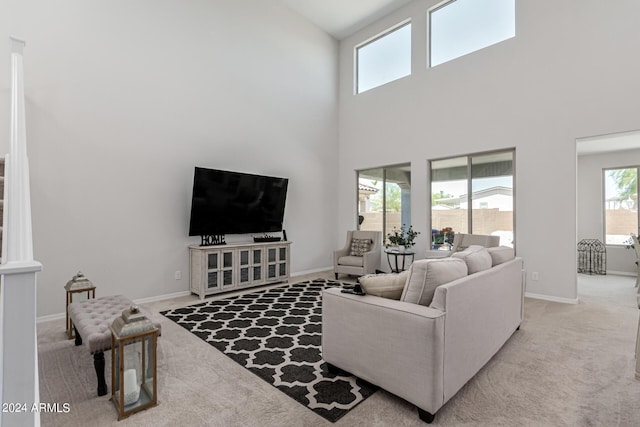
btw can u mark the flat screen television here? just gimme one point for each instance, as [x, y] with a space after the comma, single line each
[227, 202]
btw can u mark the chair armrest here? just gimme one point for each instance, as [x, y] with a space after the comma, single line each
[339, 254]
[396, 345]
[371, 261]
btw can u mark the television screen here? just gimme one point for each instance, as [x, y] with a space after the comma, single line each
[226, 202]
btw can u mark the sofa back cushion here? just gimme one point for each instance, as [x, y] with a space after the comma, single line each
[384, 285]
[477, 258]
[426, 275]
[501, 254]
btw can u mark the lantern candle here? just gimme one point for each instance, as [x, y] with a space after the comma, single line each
[131, 389]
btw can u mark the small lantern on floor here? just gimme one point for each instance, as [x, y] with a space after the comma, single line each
[76, 287]
[134, 341]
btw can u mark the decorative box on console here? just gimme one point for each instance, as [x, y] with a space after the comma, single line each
[134, 384]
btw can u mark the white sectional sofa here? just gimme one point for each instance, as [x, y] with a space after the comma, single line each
[453, 315]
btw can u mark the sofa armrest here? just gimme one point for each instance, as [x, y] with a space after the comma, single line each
[393, 344]
[483, 310]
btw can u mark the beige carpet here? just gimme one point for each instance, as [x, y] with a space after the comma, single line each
[569, 365]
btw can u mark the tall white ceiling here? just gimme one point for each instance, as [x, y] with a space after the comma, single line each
[341, 18]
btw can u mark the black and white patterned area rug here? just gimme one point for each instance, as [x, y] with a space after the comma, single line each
[276, 334]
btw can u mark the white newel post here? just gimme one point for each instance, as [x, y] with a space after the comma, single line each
[18, 351]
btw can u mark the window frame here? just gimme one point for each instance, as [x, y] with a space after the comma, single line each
[384, 170]
[429, 34]
[604, 202]
[469, 185]
[374, 39]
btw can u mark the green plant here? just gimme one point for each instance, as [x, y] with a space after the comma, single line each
[403, 237]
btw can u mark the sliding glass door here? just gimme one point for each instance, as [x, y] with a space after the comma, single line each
[384, 198]
[474, 194]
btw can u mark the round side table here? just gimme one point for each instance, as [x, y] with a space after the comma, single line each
[399, 258]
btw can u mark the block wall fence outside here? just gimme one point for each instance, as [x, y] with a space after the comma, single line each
[622, 221]
[485, 221]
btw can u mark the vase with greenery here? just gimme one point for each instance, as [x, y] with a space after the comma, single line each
[403, 237]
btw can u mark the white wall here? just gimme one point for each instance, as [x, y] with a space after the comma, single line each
[590, 209]
[571, 71]
[125, 98]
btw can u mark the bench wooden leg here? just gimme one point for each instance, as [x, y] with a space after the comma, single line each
[98, 363]
[78, 337]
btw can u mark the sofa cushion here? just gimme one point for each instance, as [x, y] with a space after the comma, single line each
[501, 254]
[472, 248]
[477, 258]
[426, 275]
[384, 285]
[353, 261]
[360, 246]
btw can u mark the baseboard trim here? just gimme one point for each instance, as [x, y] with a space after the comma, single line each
[51, 317]
[315, 270]
[551, 298]
[162, 297]
[62, 316]
[621, 273]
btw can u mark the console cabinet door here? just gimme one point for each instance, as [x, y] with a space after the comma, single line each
[218, 269]
[272, 263]
[228, 262]
[257, 266]
[277, 262]
[244, 266]
[283, 261]
[213, 272]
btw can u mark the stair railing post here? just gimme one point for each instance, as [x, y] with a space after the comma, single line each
[18, 344]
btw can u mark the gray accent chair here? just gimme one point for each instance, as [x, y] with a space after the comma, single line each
[368, 263]
[463, 241]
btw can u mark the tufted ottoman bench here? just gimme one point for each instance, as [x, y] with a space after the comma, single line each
[91, 320]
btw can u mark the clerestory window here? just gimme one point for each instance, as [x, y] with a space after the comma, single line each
[459, 27]
[384, 59]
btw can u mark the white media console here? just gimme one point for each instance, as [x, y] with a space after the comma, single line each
[215, 269]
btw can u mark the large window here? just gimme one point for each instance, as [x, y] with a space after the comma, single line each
[474, 194]
[384, 59]
[620, 204]
[460, 27]
[384, 198]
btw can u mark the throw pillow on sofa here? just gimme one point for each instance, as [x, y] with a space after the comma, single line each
[501, 254]
[360, 246]
[384, 285]
[477, 258]
[426, 275]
